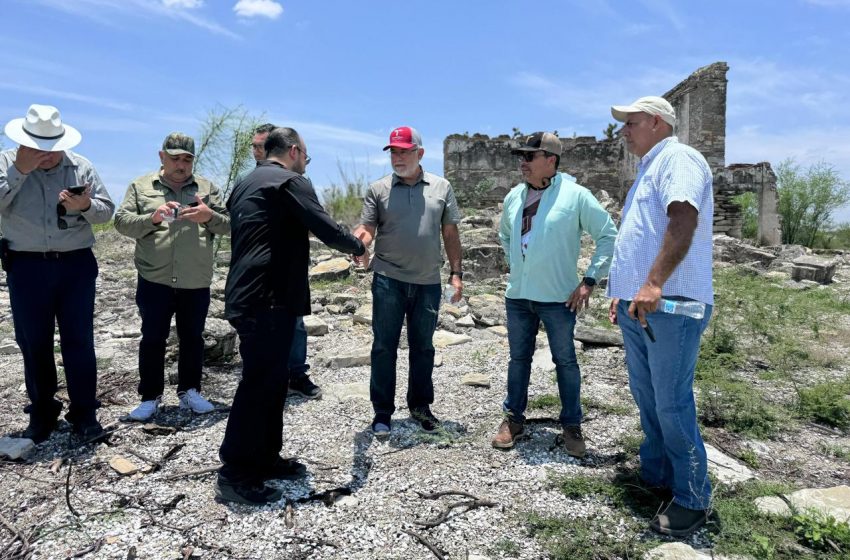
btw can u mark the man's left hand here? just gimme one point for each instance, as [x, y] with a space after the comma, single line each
[199, 213]
[580, 298]
[79, 202]
[457, 283]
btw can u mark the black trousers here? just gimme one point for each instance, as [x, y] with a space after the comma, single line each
[254, 434]
[158, 303]
[46, 290]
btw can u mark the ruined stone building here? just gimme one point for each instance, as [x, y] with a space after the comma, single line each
[484, 166]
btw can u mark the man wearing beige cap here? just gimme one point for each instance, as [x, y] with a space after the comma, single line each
[663, 255]
[49, 199]
[174, 216]
[407, 213]
[541, 228]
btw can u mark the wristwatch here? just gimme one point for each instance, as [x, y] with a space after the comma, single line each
[457, 273]
[589, 282]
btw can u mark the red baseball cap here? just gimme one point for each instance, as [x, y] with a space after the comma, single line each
[404, 137]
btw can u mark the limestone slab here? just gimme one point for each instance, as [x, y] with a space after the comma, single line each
[15, 448]
[315, 326]
[833, 501]
[476, 380]
[443, 339]
[346, 391]
[725, 468]
[123, 466]
[352, 359]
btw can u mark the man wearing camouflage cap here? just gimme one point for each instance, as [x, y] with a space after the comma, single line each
[541, 228]
[174, 217]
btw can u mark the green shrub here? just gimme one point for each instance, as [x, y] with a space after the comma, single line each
[544, 401]
[827, 402]
[823, 533]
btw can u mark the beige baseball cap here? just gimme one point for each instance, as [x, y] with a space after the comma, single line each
[651, 105]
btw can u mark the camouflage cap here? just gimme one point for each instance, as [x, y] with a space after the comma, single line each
[178, 143]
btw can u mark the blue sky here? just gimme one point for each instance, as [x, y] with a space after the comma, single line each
[345, 73]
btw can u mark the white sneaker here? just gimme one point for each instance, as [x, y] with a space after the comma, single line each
[144, 411]
[193, 400]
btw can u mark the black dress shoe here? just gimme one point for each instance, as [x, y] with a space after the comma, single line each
[89, 430]
[678, 521]
[245, 493]
[39, 428]
[285, 469]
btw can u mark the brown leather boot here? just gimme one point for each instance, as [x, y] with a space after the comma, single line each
[573, 441]
[507, 435]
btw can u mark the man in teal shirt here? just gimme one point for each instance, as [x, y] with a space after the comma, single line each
[541, 227]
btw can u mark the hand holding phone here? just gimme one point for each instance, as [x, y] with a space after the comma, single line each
[77, 189]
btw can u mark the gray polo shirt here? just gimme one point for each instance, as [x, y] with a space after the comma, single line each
[408, 221]
[28, 204]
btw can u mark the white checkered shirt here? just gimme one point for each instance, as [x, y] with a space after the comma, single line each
[669, 172]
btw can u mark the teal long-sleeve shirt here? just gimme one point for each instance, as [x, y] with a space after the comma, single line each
[547, 271]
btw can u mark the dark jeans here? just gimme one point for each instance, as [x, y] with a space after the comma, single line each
[45, 292]
[392, 301]
[524, 317]
[254, 434]
[298, 354]
[661, 378]
[157, 304]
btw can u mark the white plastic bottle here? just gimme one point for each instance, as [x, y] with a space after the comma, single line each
[448, 293]
[691, 308]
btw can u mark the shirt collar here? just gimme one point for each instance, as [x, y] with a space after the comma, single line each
[656, 149]
[421, 179]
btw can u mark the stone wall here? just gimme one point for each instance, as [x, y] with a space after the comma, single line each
[482, 169]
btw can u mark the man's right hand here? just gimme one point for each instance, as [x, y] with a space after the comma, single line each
[362, 259]
[167, 208]
[27, 160]
[612, 310]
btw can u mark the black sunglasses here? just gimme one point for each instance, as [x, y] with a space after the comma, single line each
[529, 156]
[60, 221]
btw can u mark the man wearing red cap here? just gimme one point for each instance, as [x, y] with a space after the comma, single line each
[406, 213]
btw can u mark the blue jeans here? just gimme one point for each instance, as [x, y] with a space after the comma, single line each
[392, 301]
[524, 317]
[661, 378]
[298, 354]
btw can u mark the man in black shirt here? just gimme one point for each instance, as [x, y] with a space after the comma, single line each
[271, 211]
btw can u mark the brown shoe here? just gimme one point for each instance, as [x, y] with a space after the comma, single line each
[507, 435]
[573, 441]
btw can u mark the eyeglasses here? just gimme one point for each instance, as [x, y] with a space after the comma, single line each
[60, 221]
[259, 147]
[529, 156]
[308, 158]
[403, 152]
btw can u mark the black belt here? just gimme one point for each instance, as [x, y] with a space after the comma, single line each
[48, 255]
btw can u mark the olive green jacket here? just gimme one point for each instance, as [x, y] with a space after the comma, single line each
[179, 254]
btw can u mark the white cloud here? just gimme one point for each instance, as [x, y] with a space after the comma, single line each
[255, 8]
[189, 4]
[102, 10]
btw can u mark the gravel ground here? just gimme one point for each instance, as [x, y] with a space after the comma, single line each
[68, 502]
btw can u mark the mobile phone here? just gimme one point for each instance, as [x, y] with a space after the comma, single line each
[192, 204]
[77, 189]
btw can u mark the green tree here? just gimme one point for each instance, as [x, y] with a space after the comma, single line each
[609, 131]
[750, 214]
[223, 149]
[344, 200]
[807, 200]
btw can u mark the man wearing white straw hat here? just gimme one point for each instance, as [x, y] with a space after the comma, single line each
[49, 199]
